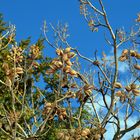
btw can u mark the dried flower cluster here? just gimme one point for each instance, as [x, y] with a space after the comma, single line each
[126, 53]
[11, 73]
[63, 62]
[122, 95]
[54, 110]
[78, 134]
[34, 52]
[16, 54]
[133, 88]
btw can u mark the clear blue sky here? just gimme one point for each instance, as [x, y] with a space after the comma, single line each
[28, 16]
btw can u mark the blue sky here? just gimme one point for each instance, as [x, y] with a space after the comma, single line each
[28, 16]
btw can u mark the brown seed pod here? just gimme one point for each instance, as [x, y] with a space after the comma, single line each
[65, 57]
[5, 66]
[50, 71]
[73, 85]
[72, 72]
[79, 95]
[71, 54]
[67, 137]
[122, 99]
[96, 136]
[47, 110]
[59, 52]
[122, 58]
[61, 117]
[58, 64]
[133, 53]
[119, 93]
[68, 49]
[87, 87]
[35, 64]
[117, 85]
[8, 82]
[19, 70]
[138, 56]
[48, 104]
[91, 23]
[102, 130]
[133, 86]
[137, 66]
[125, 51]
[60, 135]
[64, 113]
[68, 62]
[128, 88]
[73, 96]
[66, 68]
[88, 92]
[136, 92]
[85, 132]
[54, 67]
